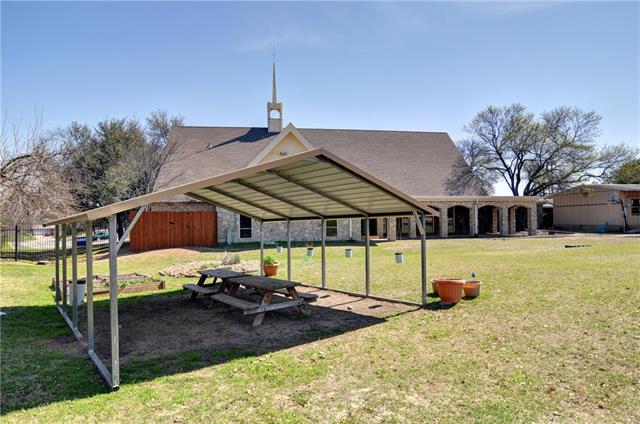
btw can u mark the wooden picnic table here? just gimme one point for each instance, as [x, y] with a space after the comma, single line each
[267, 288]
[200, 288]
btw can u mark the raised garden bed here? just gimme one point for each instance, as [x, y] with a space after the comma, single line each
[127, 283]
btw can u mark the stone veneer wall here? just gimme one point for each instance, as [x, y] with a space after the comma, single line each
[229, 227]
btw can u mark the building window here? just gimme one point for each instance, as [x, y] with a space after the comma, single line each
[245, 227]
[331, 228]
[635, 206]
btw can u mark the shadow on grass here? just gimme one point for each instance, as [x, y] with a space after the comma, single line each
[160, 334]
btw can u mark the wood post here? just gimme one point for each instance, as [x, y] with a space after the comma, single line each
[367, 259]
[89, 285]
[323, 238]
[113, 301]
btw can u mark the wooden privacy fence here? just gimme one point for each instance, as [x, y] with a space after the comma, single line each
[163, 229]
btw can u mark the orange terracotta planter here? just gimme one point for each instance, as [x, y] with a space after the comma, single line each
[449, 290]
[271, 270]
[434, 286]
[472, 289]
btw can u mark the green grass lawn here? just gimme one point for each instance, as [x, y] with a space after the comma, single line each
[554, 337]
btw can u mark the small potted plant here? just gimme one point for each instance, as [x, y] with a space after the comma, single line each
[270, 266]
[309, 248]
[348, 252]
[399, 257]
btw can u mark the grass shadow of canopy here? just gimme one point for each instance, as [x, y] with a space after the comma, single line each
[160, 334]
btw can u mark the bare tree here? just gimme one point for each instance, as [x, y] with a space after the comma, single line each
[469, 175]
[537, 156]
[32, 185]
[156, 152]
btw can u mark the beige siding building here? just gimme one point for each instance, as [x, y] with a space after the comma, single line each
[594, 207]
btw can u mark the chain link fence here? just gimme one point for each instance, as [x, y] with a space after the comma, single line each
[38, 243]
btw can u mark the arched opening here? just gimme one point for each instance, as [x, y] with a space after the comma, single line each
[274, 114]
[488, 220]
[458, 217]
[518, 219]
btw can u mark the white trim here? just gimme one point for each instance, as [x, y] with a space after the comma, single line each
[289, 129]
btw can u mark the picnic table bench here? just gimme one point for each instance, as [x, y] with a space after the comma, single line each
[268, 288]
[208, 289]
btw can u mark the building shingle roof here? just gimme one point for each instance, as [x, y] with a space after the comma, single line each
[417, 163]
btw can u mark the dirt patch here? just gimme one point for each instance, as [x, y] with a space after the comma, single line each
[166, 324]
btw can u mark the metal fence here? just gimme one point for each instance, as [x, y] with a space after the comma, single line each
[38, 243]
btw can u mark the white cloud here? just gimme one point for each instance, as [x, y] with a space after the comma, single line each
[288, 37]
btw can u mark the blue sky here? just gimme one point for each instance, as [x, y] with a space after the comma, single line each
[406, 66]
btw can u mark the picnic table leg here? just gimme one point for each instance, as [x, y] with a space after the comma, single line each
[233, 289]
[264, 300]
[295, 296]
[200, 283]
[224, 284]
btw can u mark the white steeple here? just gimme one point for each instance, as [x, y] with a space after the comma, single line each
[275, 122]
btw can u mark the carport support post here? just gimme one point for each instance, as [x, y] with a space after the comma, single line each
[423, 259]
[323, 238]
[113, 302]
[288, 250]
[74, 275]
[64, 267]
[57, 254]
[367, 259]
[89, 285]
[261, 250]
[475, 219]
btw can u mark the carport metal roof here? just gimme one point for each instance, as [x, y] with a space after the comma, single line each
[310, 185]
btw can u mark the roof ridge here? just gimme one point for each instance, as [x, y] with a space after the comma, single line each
[376, 130]
[316, 129]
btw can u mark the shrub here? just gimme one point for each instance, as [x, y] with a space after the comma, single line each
[230, 259]
[268, 260]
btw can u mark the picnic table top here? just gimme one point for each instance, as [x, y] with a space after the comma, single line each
[265, 283]
[221, 273]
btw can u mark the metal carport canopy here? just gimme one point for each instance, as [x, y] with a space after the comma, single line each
[310, 185]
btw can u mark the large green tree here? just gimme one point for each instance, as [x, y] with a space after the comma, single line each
[535, 155]
[627, 173]
[116, 160]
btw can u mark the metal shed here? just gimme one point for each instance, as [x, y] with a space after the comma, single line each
[314, 185]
